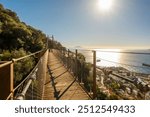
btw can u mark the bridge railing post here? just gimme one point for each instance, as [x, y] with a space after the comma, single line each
[76, 63]
[68, 59]
[6, 81]
[94, 75]
[12, 80]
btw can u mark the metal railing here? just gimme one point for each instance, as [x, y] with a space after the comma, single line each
[106, 82]
[13, 92]
[99, 81]
[83, 72]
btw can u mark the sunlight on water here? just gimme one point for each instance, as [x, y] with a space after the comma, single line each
[116, 58]
[108, 57]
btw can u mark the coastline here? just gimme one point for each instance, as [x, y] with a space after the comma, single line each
[122, 83]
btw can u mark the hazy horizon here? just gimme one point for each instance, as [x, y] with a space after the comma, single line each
[122, 24]
[113, 48]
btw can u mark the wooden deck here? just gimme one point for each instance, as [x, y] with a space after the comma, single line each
[60, 84]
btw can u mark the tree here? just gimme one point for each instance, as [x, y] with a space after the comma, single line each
[15, 34]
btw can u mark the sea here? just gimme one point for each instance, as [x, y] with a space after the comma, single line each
[132, 60]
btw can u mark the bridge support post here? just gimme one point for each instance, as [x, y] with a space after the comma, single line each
[68, 60]
[6, 81]
[12, 80]
[94, 75]
[76, 64]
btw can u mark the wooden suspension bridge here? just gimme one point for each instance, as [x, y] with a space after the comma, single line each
[55, 76]
[58, 75]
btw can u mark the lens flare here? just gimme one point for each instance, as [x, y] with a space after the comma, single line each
[105, 5]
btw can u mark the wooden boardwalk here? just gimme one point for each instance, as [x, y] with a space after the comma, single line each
[60, 84]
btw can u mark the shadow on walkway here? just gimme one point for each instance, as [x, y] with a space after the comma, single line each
[56, 93]
[60, 83]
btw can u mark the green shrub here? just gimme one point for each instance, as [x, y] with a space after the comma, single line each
[101, 95]
[6, 55]
[22, 67]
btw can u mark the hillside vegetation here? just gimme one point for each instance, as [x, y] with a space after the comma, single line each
[15, 34]
[18, 39]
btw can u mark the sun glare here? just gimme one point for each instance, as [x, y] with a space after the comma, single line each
[105, 5]
[108, 55]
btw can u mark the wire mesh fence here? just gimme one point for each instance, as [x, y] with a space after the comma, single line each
[119, 74]
[76, 64]
[19, 76]
[36, 88]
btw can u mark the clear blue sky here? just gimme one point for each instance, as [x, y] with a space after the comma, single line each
[82, 23]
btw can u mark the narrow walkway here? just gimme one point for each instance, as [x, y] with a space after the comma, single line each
[60, 84]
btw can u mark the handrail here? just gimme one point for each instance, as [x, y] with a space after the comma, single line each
[21, 96]
[15, 60]
[5, 64]
[22, 81]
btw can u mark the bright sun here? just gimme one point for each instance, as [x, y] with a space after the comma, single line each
[105, 5]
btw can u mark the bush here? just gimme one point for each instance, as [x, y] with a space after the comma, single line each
[101, 95]
[6, 55]
[115, 85]
[22, 67]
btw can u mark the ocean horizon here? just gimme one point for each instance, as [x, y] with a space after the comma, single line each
[132, 60]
